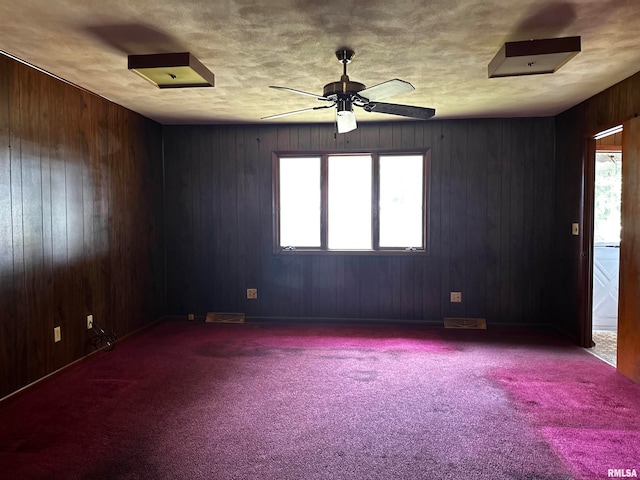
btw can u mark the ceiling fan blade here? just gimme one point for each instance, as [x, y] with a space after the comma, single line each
[278, 115]
[300, 92]
[402, 110]
[386, 89]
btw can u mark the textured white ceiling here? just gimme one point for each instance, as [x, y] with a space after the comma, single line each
[442, 47]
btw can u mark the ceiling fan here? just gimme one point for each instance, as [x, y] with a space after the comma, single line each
[345, 94]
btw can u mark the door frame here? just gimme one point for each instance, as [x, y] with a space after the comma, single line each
[587, 214]
[585, 265]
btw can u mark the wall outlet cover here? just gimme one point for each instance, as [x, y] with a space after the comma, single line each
[575, 229]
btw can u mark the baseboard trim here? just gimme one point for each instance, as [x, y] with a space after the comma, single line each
[568, 335]
[344, 320]
[55, 373]
[351, 320]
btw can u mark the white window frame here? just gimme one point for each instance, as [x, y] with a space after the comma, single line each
[376, 249]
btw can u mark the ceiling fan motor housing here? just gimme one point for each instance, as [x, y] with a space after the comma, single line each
[344, 86]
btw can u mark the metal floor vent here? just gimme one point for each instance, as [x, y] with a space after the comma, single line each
[221, 317]
[467, 323]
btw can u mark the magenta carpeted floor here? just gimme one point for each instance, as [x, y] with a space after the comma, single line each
[205, 401]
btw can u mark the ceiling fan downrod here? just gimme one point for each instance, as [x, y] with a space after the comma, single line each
[344, 86]
[344, 57]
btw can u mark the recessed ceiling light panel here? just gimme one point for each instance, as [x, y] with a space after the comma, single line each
[533, 57]
[172, 70]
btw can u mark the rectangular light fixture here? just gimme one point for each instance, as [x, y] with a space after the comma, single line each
[172, 70]
[533, 57]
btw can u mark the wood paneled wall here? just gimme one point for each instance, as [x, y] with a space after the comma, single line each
[629, 297]
[81, 222]
[614, 106]
[612, 141]
[490, 225]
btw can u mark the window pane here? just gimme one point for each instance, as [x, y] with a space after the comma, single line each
[350, 202]
[299, 202]
[608, 189]
[401, 201]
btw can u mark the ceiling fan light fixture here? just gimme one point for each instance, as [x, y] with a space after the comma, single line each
[346, 118]
[171, 70]
[533, 57]
[346, 122]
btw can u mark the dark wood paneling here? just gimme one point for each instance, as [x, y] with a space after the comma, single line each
[612, 141]
[543, 221]
[495, 221]
[478, 218]
[440, 251]
[516, 214]
[487, 183]
[569, 289]
[8, 329]
[458, 216]
[81, 227]
[574, 179]
[20, 353]
[629, 306]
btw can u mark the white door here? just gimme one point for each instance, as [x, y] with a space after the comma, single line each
[606, 262]
[606, 254]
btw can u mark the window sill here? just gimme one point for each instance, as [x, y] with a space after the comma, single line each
[383, 252]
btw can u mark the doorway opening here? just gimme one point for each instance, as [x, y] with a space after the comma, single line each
[606, 243]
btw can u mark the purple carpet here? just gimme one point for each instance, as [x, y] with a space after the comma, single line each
[265, 401]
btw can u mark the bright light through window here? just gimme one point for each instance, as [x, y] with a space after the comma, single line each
[364, 202]
[401, 200]
[300, 202]
[349, 202]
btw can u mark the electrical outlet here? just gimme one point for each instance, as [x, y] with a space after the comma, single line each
[89, 322]
[191, 316]
[456, 297]
[57, 334]
[252, 293]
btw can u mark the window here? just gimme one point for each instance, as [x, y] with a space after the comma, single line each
[350, 202]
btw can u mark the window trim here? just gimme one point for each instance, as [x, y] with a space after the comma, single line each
[375, 211]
